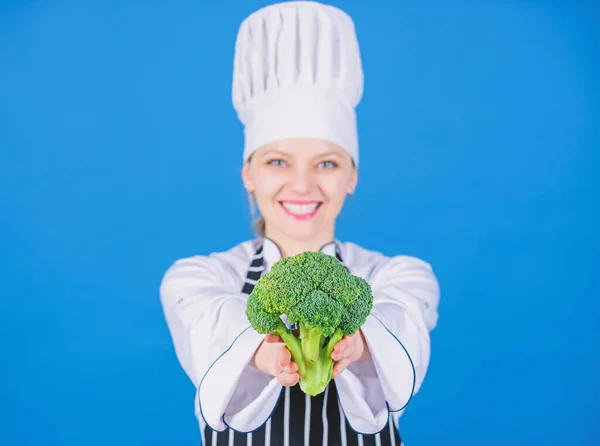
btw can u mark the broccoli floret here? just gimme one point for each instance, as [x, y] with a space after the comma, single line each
[318, 295]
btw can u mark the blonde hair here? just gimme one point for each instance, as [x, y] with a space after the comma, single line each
[258, 221]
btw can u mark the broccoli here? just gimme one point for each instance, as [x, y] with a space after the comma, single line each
[324, 302]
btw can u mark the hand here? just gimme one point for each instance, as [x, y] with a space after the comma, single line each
[274, 358]
[351, 348]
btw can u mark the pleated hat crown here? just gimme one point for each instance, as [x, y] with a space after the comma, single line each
[298, 73]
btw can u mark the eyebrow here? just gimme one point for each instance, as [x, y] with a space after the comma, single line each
[321, 155]
[273, 151]
[329, 154]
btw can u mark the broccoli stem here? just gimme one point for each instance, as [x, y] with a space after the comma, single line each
[336, 337]
[312, 341]
[318, 373]
[294, 346]
[314, 361]
[316, 378]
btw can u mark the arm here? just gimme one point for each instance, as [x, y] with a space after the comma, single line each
[406, 298]
[215, 344]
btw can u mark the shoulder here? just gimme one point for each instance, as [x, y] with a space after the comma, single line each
[397, 278]
[375, 265]
[228, 266]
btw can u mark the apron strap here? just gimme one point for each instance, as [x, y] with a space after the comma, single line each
[255, 270]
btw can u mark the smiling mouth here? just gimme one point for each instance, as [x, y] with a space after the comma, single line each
[301, 211]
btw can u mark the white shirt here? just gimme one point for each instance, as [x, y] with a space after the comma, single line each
[214, 342]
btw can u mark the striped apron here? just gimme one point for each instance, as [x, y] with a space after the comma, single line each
[299, 419]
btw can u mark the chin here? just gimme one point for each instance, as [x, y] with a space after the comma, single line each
[304, 231]
[301, 234]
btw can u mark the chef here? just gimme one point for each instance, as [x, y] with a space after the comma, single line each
[297, 81]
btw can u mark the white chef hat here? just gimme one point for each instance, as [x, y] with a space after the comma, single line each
[298, 73]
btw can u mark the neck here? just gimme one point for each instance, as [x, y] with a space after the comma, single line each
[291, 247]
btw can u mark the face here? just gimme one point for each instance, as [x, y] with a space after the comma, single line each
[300, 186]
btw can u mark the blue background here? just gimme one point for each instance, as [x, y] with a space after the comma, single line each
[120, 152]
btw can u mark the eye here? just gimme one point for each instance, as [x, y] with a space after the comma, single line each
[276, 162]
[328, 164]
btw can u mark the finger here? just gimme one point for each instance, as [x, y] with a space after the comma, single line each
[342, 353]
[272, 338]
[288, 379]
[344, 344]
[339, 367]
[292, 367]
[285, 358]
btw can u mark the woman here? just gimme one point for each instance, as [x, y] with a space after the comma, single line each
[297, 80]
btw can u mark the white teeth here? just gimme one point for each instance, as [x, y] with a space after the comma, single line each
[300, 209]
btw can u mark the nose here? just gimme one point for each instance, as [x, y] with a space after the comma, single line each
[303, 180]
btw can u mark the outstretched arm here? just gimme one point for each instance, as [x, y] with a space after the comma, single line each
[384, 364]
[215, 344]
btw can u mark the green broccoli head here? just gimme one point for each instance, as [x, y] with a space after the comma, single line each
[308, 269]
[358, 307]
[322, 299]
[260, 310]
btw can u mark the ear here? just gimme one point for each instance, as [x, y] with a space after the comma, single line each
[246, 177]
[353, 181]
